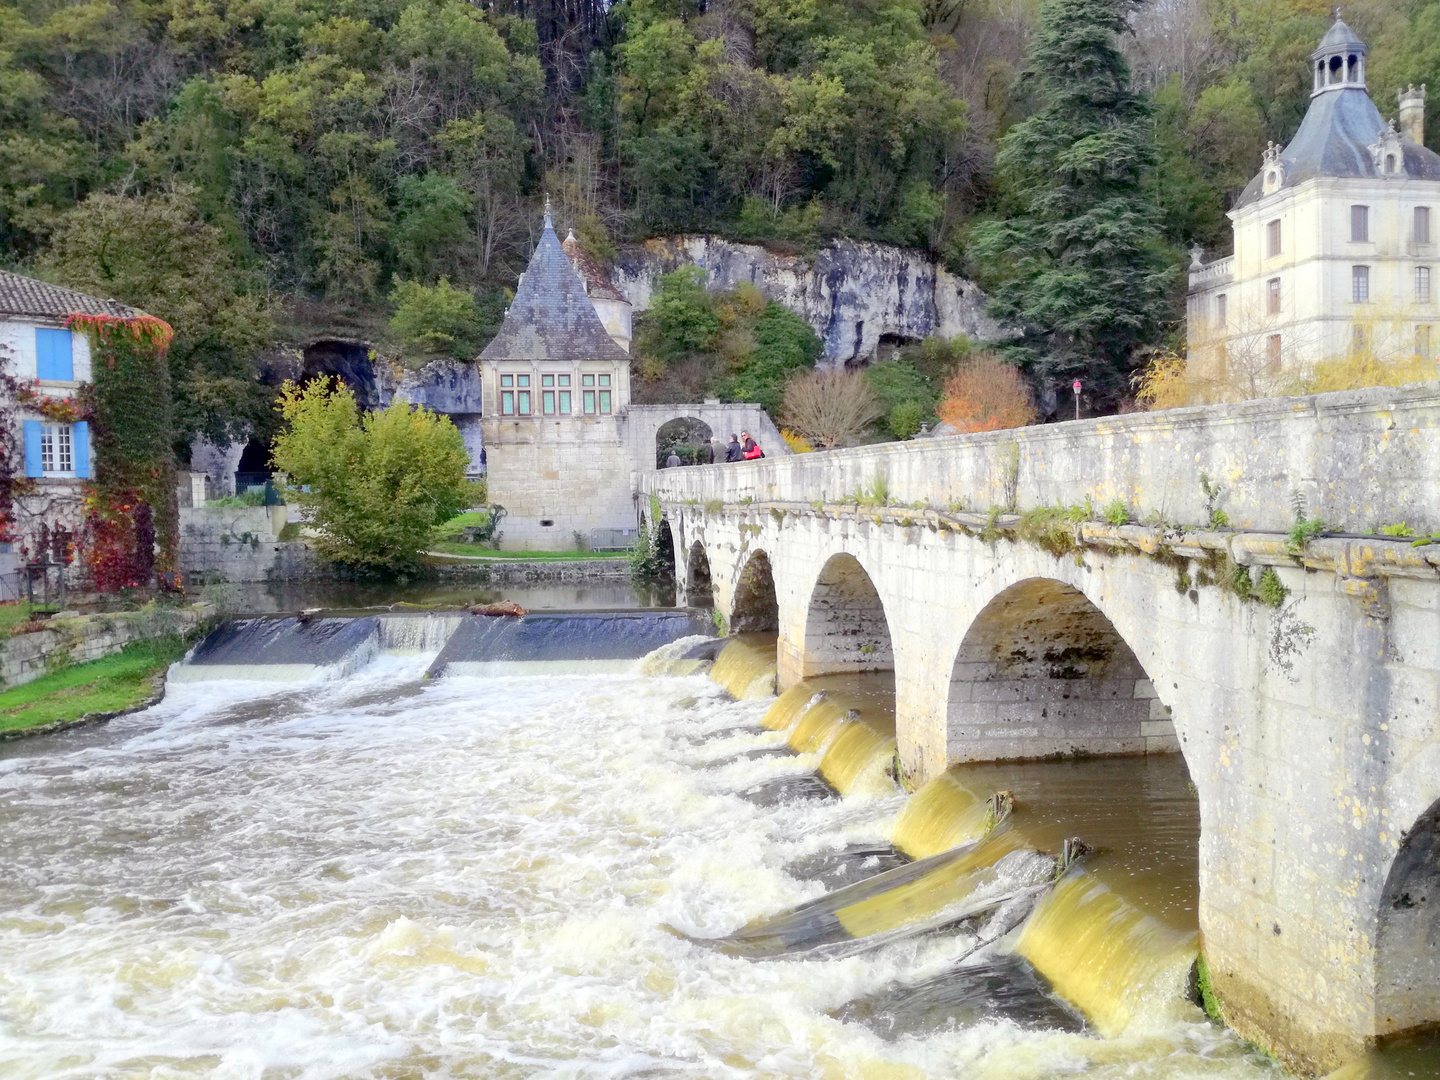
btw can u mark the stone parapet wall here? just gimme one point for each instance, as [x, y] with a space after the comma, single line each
[1357, 459]
[229, 543]
[73, 640]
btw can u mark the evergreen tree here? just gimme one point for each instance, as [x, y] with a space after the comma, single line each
[1078, 256]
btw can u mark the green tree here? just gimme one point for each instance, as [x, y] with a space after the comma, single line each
[436, 320]
[1079, 256]
[157, 253]
[373, 486]
[785, 344]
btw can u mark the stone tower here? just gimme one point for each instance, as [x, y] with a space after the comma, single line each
[556, 386]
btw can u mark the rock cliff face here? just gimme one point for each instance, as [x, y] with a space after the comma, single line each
[857, 295]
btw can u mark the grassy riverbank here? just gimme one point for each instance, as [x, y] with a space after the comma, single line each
[110, 684]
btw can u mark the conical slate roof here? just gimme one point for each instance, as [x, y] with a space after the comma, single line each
[551, 317]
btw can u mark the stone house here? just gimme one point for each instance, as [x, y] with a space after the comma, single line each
[564, 444]
[44, 357]
[1334, 240]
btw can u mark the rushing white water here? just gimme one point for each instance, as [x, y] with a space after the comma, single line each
[379, 877]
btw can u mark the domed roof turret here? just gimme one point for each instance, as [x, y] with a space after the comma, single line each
[1339, 62]
[1338, 38]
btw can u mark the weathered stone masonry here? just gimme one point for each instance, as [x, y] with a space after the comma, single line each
[1309, 728]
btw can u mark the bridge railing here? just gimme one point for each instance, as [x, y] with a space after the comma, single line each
[1358, 459]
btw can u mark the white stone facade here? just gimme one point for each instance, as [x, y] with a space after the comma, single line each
[1336, 245]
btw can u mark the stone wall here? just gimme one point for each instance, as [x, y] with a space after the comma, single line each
[230, 543]
[75, 639]
[1357, 459]
[641, 423]
[558, 478]
[856, 294]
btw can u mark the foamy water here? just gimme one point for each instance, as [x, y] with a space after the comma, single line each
[379, 877]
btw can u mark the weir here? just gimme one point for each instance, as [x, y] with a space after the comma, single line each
[292, 648]
[1109, 925]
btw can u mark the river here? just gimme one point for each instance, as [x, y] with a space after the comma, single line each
[386, 877]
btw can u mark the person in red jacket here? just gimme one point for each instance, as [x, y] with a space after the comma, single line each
[751, 447]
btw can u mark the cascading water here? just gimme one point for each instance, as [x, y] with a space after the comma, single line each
[386, 876]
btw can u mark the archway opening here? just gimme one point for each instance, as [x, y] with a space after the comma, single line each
[665, 549]
[755, 609]
[698, 589]
[253, 469]
[1042, 673]
[1407, 954]
[845, 628]
[685, 436]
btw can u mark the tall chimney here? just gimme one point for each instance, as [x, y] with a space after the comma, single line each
[1412, 113]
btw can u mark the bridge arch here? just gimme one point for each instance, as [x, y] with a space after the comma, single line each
[1407, 947]
[755, 609]
[846, 629]
[699, 589]
[1042, 672]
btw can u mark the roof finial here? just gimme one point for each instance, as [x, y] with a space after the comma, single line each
[548, 223]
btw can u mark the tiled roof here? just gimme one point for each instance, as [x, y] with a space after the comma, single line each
[551, 317]
[26, 297]
[597, 282]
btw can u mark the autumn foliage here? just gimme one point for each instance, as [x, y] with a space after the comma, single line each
[986, 394]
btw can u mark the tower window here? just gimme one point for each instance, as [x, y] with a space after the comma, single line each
[1359, 224]
[1359, 284]
[1221, 303]
[1357, 340]
[1272, 351]
[1422, 341]
[1272, 238]
[1422, 224]
[1422, 284]
[1272, 289]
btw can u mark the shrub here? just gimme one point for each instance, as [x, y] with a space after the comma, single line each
[798, 444]
[830, 408]
[374, 486]
[986, 394]
[906, 419]
[1117, 513]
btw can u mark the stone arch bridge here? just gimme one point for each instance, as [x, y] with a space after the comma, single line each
[1301, 681]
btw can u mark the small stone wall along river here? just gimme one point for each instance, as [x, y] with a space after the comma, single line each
[379, 876]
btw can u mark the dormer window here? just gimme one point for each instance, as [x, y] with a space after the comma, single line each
[1389, 163]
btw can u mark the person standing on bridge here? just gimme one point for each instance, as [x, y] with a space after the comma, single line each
[734, 451]
[673, 461]
[751, 447]
[709, 453]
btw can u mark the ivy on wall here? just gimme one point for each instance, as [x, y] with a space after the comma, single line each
[131, 517]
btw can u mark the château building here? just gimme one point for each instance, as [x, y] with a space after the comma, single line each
[1335, 241]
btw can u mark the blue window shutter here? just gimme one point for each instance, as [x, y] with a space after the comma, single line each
[80, 448]
[54, 355]
[32, 449]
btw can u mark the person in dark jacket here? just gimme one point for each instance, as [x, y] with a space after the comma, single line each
[751, 449]
[710, 453]
[673, 461]
[733, 450]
